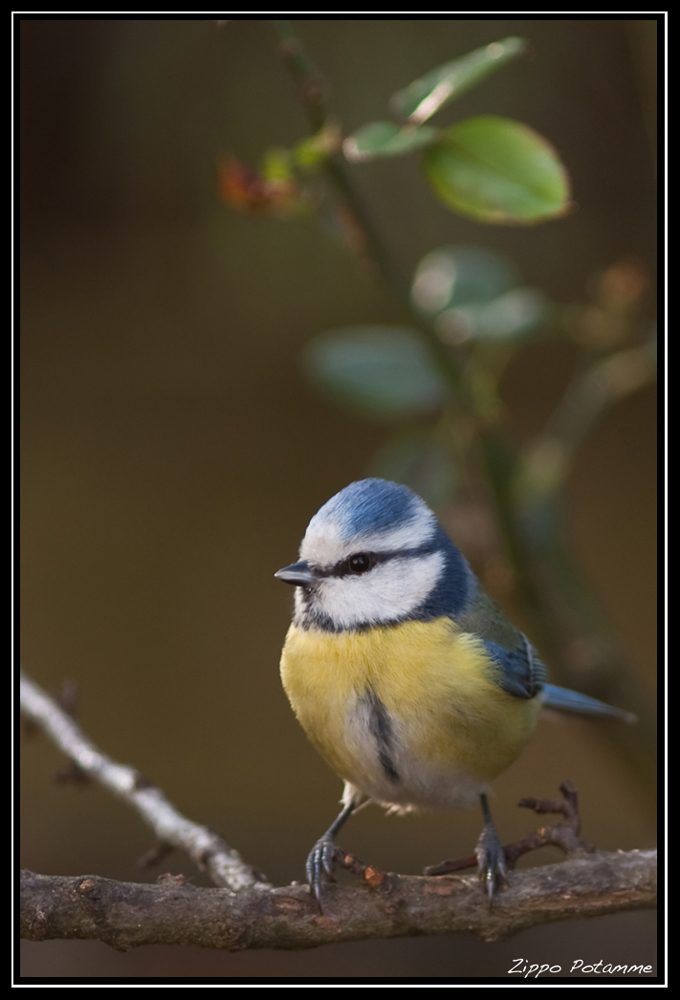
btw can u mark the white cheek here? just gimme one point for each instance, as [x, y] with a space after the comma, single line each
[388, 592]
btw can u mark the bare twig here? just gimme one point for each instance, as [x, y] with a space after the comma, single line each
[207, 849]
[591, 391]
[564, 835]
[125, 915]
[155, 855]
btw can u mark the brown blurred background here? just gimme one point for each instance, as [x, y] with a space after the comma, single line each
[172, 453]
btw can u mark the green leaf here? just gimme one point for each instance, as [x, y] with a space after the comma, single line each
[418, 460]
[497, 170]
[379, 371]
[386, 139]
[511, 316]
[453, 277]
[473, 294]
[423, 97]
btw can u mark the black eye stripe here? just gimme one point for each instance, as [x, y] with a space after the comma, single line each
[344, 568]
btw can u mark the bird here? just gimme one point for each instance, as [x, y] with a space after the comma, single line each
[405, 675]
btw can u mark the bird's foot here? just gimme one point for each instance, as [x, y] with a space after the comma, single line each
[320, 864]
[491, 861]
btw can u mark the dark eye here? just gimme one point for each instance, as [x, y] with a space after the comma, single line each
[359, 563]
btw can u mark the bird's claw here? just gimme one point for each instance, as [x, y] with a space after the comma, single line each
[320, 864]
[491, 861]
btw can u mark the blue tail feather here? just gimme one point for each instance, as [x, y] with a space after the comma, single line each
[565, 700]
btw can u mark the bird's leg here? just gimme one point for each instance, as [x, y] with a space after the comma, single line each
[490, 854]
[321, 857]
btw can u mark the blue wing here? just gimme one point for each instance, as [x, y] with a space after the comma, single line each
[520, 671]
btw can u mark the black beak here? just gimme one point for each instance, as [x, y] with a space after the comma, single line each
[299, 574]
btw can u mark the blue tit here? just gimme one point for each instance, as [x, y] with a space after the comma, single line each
[404, 674]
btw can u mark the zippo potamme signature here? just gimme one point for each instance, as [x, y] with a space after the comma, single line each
[526, 969]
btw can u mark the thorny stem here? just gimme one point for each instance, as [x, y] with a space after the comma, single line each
[503, 467]
[498, 459]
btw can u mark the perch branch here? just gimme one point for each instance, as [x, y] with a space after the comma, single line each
[377, 905]
[173, 911]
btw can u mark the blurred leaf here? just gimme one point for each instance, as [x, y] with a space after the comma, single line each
[386, 139]
[380, 371]
[276, 165]
[497, 170]
[423, 97]
[310, 153]
[453, 277]
[418, 461]
[474, 295]
[511, 316]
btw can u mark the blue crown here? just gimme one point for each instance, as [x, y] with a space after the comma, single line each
[370, 505]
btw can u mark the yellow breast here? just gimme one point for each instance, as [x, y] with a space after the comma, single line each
[447, 714]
